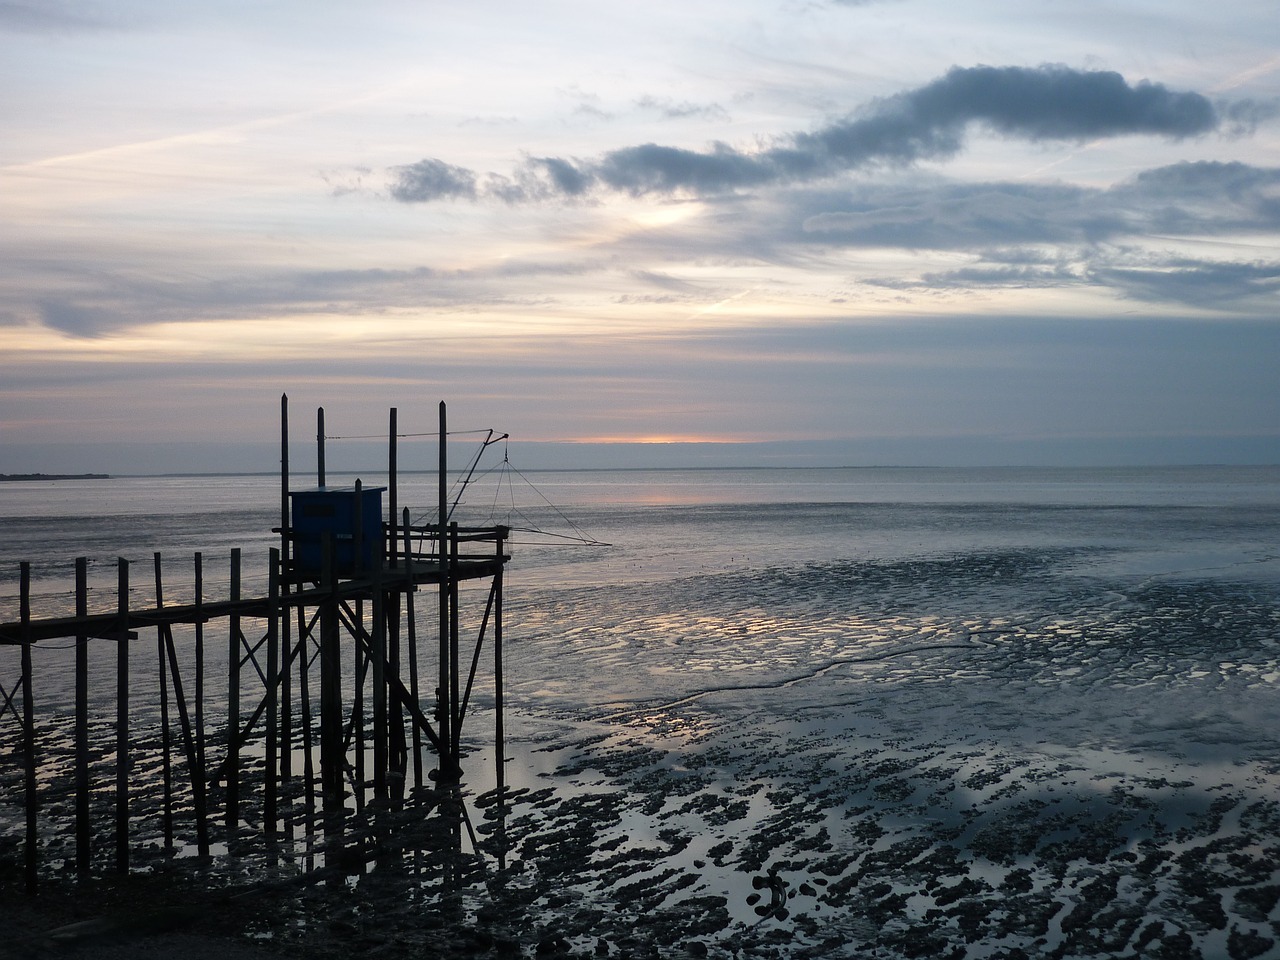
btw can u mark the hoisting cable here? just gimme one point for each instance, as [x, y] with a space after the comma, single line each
[475, 462]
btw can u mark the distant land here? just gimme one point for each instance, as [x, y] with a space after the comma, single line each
[54, 476]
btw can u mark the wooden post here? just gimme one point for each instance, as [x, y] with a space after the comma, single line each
[28, 731]
[378, 641]
[83, 833]
[499, 739]
[359, 661]
[233, 704]
[191, 747]
[331, 752]
[122, 715]
[397, 748]
[411, 622]
[286, 619]
[193, 765]
[304, 707]
[455, 699]
[392, 488]
[270, 812]
[165, 744]
[199, 774]
[357, 535]
[443, 710]
[320, 446]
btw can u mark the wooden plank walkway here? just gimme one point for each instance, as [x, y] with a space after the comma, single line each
[109, 626]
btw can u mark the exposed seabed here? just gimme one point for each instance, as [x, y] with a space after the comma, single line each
[988, 758]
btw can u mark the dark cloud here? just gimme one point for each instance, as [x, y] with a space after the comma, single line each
[928, 123]
[1197, 283]
[1201, 199]
[57, 17]
[1054, 235]
[1242, 117]
[1205, 197]
[432, 179]
[562, 175]
[1003, 276]
[650, 168]
[949, 216]
[78, 320]
[1051, 103]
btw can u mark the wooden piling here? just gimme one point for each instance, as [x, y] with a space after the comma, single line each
[192, 750]
[392, 488]
[499, 736]
[122, 715]
[443, 710]
[357, 734]
[28, 732]
[270, 809]
[200, 775]
[455, 700]
[411, 621]
[162, 672]
[377, 656]
[83, 828]
[320, 446]
[397, 749]
[286, 621]
[331, 753]
[233, 705]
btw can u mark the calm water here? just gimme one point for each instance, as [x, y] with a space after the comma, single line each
[646, 557]
[663, 524]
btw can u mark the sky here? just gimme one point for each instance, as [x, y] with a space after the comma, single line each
[729, 231]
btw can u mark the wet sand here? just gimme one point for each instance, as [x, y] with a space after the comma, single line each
[988, 756]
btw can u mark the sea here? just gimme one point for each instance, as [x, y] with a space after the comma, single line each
[824, 712]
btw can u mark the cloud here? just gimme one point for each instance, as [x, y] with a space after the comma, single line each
[986, 277]
[432, 179]
[949, 216]
[1195, 282]
[1242, 117]
[1206, 196]
[57, 17]
[1057, 235]
[78, 320]
[1044, 103]
[1201, 199]
[683, 110]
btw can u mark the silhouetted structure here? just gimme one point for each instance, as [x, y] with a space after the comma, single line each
[341, 584]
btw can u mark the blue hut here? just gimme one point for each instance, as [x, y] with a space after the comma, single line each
[351, 516]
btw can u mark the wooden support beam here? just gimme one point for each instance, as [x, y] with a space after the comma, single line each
[270, 808]
[28, 736]
[233, 706]
[83, 830]
[122, 716]
[162, 672]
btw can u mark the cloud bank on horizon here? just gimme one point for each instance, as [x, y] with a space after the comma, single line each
[614, 220]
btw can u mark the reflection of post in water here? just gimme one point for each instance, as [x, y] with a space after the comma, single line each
[452, 811]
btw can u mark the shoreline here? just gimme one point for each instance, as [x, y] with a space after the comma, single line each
[27, 477]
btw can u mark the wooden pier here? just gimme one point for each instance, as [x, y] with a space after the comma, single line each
[313, 750]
